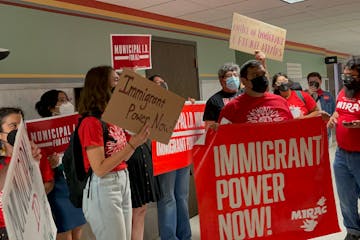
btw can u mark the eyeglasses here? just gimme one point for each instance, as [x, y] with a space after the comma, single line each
[346, 77]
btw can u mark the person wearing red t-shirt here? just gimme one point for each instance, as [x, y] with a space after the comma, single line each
[10, 119]
[324, 99]
[107, 207]
[301, 104]
[346, 120]
[256, 104]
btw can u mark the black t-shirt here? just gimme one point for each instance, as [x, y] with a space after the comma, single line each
[215, 103]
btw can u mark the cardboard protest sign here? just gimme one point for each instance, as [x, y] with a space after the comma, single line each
[26, 209]
[248, 34]
[131, 51]
[269, 181]
[177, 153]
[137, 100]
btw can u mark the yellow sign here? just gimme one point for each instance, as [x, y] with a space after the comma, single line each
[137, 101]
[248, 34]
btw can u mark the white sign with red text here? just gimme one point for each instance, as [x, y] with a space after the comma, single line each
[26, 209]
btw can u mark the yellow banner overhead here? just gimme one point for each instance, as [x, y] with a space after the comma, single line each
[248, 35]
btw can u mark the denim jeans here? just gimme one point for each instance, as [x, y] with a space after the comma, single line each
[108, 208]
[347, 177]
[173, 212]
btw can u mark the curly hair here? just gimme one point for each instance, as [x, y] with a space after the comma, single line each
[226, 68]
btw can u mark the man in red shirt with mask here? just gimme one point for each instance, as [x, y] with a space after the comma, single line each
[256, 104]
[346, 120]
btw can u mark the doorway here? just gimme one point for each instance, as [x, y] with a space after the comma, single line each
[176, 61]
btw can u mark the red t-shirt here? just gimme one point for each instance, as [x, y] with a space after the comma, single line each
[268, 108]
[47, 173]
[348, 110]
[91, 134]
[299, 107]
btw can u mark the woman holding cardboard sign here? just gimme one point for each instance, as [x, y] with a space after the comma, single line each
[107, 207]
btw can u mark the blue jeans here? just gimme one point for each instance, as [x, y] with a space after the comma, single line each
[108, 209]
[173, 212]
[347, 177]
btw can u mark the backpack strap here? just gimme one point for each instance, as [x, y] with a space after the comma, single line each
[299, 94]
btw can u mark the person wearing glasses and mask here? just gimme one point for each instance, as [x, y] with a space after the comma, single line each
[256, 104]
[300, 103]
[346, 121]
[324, 100]
[68, 219]
[228, 76]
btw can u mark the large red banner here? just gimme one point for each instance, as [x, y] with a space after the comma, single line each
[52, 134]
[268, 181]
[177, 153]
[131, 51]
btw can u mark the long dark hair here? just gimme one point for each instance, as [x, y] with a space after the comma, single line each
[97, 90]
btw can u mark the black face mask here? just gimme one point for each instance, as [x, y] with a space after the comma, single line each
[351, 84]
[314, 84]
[277, 91]
[284, 87]
[11, 137]
[260, 84]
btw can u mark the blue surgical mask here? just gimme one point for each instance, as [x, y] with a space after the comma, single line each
[233, 83]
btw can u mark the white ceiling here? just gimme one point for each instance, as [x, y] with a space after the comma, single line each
[330, 24]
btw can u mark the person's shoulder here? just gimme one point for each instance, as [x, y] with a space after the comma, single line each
[275, 97]
[305, 94]
[215, 96]
[272, 95]
[90, 122]
[327, 93]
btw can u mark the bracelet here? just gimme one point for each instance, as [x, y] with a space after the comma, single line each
[132, 146]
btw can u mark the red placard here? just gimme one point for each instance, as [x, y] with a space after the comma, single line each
[177, 153]
[52, 134]
[130, 51]
[268, 181]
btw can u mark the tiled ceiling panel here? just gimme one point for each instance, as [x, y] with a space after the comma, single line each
[330, 24]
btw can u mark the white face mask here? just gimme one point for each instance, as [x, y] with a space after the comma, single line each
[66, 108]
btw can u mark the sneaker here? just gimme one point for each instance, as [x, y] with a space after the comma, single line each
[351, 237]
